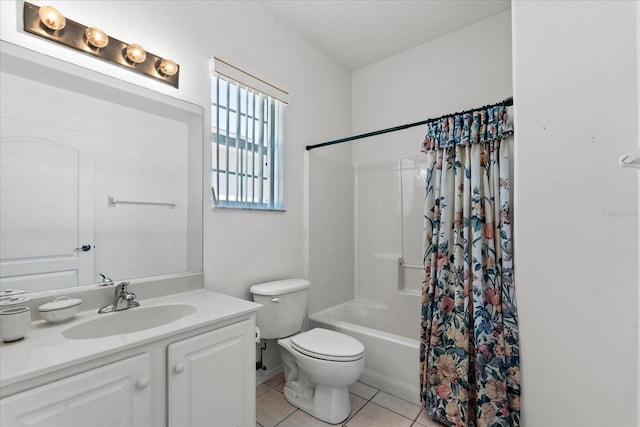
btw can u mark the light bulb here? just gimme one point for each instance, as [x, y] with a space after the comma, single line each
[136, 54]
[96, 37]
[52, 18]
[167, 67]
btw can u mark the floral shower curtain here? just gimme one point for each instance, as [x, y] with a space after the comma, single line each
[469, 351]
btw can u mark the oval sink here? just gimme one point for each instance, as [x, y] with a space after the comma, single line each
[128, 321]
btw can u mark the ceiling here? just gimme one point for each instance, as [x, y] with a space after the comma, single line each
[360, 32]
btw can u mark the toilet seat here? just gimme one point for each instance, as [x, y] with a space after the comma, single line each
[328, 345]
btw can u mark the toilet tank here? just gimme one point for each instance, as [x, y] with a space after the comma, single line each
[284, 307]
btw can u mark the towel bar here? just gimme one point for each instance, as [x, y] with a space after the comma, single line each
[112, 202]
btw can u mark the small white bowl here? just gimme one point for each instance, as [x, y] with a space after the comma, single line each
[60, 309]
[15, 323]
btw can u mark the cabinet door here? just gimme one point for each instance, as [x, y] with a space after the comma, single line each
[212, 378]
[117, 394]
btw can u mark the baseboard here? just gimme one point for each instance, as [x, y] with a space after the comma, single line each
[263, 376]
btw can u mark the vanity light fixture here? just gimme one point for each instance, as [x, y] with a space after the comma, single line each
[136, 53]
[167, 67]
[49, 23]
[96, 37]
[51, 18]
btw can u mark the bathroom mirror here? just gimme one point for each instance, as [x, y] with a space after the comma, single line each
[98, 177]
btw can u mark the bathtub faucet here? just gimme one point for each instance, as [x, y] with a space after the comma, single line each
[122, 300]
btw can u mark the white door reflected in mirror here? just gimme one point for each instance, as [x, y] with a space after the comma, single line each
[47, 206]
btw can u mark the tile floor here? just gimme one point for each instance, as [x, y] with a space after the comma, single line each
[370, 407]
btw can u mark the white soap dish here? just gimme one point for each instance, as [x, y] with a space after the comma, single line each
[60, 309]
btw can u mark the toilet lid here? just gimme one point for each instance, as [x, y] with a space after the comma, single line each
[328, 345]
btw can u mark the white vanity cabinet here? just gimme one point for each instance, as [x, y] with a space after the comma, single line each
[208, 378]
[195, 371]
[117, 394]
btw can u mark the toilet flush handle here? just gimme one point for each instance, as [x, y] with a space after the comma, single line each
[275, 299]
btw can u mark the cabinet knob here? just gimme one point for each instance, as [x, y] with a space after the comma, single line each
[143, 383]
[179, 368]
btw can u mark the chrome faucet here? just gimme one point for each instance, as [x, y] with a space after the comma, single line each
[105, 281]
[122, 300]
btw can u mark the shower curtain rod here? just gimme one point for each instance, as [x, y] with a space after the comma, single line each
[505, 102]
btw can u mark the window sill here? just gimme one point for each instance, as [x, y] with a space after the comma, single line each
[240, 208]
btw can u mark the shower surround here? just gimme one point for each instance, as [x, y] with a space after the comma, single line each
[383, 307]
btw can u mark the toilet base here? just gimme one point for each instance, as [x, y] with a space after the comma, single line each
[329, 404]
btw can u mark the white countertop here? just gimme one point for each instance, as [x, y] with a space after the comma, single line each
[45, 349]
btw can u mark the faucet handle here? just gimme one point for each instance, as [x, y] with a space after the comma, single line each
[124, 293]
[122, 287]
[105, 280]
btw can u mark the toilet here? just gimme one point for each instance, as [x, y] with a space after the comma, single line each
[320, 364]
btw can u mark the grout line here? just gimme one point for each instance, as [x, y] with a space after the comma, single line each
[362, 407]
[282, 420]
[391, 410]
[354, 414]
[413, 420]
[419, 413]
[397, 413]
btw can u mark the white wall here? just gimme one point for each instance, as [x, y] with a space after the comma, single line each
[446, 75]
[576, 225]
[240, 247]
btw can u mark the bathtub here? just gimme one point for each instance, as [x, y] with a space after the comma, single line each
[390, 338]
